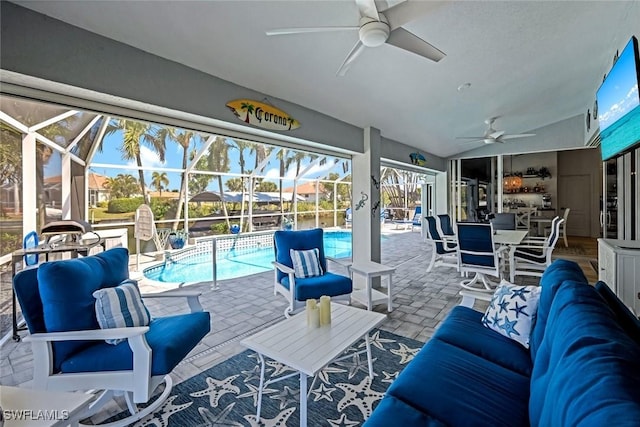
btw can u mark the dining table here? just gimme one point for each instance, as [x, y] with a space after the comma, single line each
[509, 237]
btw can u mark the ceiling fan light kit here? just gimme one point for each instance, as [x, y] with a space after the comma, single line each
[373, 33]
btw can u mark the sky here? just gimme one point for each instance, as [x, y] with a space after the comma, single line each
[173, 159]
[619, 93]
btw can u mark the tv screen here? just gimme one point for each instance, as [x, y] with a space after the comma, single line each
[619, 104]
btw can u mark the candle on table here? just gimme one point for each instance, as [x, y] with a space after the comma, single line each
[325, 310]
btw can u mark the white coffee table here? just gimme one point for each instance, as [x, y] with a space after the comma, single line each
[308, 351]
[28, 407]
[369, 296]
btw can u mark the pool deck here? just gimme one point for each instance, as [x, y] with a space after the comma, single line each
[242, 306]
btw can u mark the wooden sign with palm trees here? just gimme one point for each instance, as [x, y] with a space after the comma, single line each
[262, 115]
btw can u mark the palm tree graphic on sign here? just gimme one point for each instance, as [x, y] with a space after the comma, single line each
[249, 107]
[291, 121]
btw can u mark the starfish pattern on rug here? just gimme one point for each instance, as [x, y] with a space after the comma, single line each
[286, 396]
[355, 364]
[253, 374]
[219, 420]
[278, 421]
[376, 341]
[323, 375]
[253, 392]
[389, 377]
[323, 392]
[361, 396]
[406, 354]
[217, 388]
[278, 368]
[343, 421]
[160, 418]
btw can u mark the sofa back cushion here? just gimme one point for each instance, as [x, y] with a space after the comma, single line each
[587, 369]
[559, 271]
[626, 319]
[66, 289]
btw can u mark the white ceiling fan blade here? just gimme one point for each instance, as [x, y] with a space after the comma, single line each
[520, 135]
[368, 9]
[496, 134]
[355, 52]
[408, 41]
[302, 30]
[407, 11]
[477, 138]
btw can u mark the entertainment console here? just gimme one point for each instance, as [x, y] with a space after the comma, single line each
[619, 267]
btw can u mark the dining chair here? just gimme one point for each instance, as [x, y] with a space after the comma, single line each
[533, 255]
[563, 227]
[477, 254]
[443, 251]
[523, 218]
[504, 221]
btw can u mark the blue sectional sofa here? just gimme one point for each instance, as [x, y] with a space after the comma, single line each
[582, 367]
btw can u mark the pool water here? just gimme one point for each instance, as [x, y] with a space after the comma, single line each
[239, 263]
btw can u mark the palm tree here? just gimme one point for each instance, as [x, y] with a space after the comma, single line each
[159, 181]
[133, 134]
[219, 161]
[121, 186]
[285, 161]
[249, 107]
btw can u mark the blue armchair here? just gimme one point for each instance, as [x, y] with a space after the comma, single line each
[299, 289]
[71, 351]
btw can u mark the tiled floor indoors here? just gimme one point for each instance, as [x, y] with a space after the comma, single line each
[244, 305]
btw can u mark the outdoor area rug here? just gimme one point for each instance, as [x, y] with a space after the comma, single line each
[343, 393]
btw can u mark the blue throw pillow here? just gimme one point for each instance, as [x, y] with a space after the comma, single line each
[306, 263]
[512, 311]
[120, 307]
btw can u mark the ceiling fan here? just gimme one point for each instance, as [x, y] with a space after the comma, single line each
[378, 27]
[492, 135]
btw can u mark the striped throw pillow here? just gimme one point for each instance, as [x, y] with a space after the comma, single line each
[306, 263]
[120, 307]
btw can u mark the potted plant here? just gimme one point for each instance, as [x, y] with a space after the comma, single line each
[177, 239]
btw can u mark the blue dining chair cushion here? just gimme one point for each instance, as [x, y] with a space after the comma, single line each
[167, 338]
[297, 240]
[66, 290]
[530, 254]
[314, 287]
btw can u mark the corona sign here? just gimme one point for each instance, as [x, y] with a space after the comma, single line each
[262, 115]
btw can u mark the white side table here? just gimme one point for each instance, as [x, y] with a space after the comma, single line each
[28, 407]
[369, 296]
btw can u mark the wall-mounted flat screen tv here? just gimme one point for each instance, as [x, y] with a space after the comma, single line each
[619, 104]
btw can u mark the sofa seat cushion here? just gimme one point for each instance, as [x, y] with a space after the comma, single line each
[587, 369]
[170, 339]
[458, 387]
[394, 412]
[314, 287]
[463, 328]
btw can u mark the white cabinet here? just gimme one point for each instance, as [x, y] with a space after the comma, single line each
[619, 268]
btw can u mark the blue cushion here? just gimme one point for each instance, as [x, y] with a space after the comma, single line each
[550, 281]
[170, 338]
[284, 241]
[463, 328]
[120, 307]
[306, 263]
[587, 370]
[459, 388]
[66, 289]
[392, 411]
[626, 319]
[314, 287]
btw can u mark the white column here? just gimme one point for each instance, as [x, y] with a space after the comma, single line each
[500, 179]
[317, 203]
[66, 186]
[366, 227]
[29, 196]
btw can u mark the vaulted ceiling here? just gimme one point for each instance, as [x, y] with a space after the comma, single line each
[532, 63]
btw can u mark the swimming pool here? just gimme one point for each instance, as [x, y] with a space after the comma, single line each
[236, 257]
